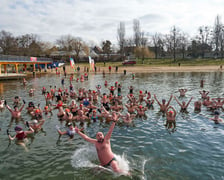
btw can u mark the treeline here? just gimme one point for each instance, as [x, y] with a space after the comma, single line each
[208, 43]
[177, 44]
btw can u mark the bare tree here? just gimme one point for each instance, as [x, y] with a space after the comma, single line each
[106, 46]
[217, 33]
[71, 44]
[29, 45]
[77, 46]
[7, 42]
[143, 46]
[203, 40]
[121, 36]
[183, 43]
[157, 44]
[174, 41]
[65, 43]
[137, 32]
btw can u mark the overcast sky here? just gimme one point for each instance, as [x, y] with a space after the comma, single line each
[98, 20]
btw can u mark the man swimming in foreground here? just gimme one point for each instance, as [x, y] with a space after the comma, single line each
[103, 147]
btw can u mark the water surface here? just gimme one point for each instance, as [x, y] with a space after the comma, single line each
[194, 151]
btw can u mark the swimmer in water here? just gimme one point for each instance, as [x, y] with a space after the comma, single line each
[128, 118]
[16, 113]
[21, 136]
[216, 119]
[24, 82]
[70, 132]
[183, 105]
[182, 92]
[197, 106]
[2, 102]
[31, 92]
[163, 105]
[204, 94]
[103, 146]
[171, 118]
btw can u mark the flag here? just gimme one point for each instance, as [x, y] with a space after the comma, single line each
[33, 59]
[72, 63]
[91, 63]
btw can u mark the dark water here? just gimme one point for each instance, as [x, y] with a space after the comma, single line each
[148, 150]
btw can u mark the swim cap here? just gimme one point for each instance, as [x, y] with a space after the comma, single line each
[131, 95]
[18, 128]
[67, 110]
[46, 107]
[140, 92]
[94, 110]
[140, 106]
[35, 121]
[94, 91]
[37, 111]
[171, 112]
[69, 124]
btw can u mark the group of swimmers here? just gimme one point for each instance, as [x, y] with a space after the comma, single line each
[90, 106]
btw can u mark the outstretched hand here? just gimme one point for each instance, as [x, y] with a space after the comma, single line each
[76, 129]
[115, 117]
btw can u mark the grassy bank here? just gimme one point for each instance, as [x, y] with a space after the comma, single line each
[162, 62]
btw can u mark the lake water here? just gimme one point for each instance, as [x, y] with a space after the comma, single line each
[148, 150]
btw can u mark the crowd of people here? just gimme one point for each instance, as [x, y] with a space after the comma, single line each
[76, 107]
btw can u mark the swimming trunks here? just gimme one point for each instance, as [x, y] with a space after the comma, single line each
[108, 164]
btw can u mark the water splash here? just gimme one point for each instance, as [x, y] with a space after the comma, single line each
[86, 156]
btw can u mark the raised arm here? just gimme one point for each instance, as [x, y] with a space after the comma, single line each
[157, 100]
[177, 101]
[189, 102]
[171, 96]
[115, 119]
[24, 102]
[7, 106]
[85, 137]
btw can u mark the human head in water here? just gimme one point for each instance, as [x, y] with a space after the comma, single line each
[18, 128]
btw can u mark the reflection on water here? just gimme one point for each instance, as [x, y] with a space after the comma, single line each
[194, 151]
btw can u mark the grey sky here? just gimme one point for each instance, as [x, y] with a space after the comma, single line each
[97, 20]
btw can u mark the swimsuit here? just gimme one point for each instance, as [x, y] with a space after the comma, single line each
[70, 133]
[108, 164]
[21, 136]
[94, 118]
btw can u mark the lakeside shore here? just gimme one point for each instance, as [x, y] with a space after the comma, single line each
[147, 69]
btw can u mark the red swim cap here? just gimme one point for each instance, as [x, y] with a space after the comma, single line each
[37, 111]
[171, 112]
